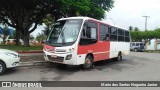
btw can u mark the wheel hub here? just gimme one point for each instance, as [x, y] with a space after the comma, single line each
[87, 61]
[1, 68]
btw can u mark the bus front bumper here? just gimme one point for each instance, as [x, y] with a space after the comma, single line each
[68, 58]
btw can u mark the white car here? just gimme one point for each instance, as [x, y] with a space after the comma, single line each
[8, 59]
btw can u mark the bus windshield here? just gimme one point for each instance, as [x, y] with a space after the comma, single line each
[64, 32]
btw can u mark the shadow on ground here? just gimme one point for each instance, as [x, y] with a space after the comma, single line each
[106, 65]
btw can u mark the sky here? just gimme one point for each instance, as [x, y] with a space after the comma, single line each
[127, 13]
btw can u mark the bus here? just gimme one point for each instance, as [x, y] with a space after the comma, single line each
[84, 40]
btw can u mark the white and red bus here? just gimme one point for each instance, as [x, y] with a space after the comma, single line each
[84, 40]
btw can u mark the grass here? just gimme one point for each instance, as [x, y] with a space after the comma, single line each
[152, 51]
[21, 48]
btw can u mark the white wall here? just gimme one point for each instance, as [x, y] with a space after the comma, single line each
[158, 46]
[150, 45]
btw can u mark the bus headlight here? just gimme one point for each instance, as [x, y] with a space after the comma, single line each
[71, 49]
[68, 57]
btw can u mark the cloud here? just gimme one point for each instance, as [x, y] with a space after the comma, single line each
[130, 12]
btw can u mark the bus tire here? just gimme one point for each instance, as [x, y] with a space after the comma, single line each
[119, 57]
[88, 62]
[2, 67]
[135, 50]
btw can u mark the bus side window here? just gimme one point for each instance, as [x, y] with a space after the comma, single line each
[127, 36]
[113, 34]
[89, 33]
[120, 35]
[83, 34]
[104, 32]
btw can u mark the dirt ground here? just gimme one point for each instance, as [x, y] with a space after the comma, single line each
[31, 58]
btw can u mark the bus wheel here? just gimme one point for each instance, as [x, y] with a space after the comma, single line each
[88, 62]
[135, 50]
[2, 67]
[119, 57]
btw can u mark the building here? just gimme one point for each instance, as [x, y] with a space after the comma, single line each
[11, 32]
[153, 44]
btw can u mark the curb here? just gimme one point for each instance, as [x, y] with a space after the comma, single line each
[27, 52]
[31, 54]
[36, 63]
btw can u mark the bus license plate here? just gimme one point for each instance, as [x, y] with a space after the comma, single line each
[54, 56]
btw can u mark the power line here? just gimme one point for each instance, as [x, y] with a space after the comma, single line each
[113, 21]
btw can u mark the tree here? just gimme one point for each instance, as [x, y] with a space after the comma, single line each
[136, 35]
[48, 21]
[136, 29]
[41, 37]
[92, 8]
[130, 28]
[68, 8]
[145, 35]
[157, 33]
[25, 15]
[104, 4]
[31, 37]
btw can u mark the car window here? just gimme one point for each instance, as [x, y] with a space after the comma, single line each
[137, 44]
[133, 44]
[141, 44]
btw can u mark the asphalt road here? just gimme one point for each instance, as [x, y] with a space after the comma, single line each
[137, 66]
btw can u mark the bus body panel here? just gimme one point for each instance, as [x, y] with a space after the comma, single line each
[81, 59]
[103, 50]
[92, 48]
[116, 47]
[51, 51]
[98, 53]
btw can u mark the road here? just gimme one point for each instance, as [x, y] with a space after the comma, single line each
[137, 66]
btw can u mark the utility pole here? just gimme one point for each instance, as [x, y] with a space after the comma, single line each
[146, 18]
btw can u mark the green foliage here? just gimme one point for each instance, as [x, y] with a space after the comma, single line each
[136, 29]
[157, 33]
[136, 35]
[104, 4]
[92, 8]
[26, 15]
[21, 48]
[133, 28]
[68, 8]
[31, 37]
[41, 37]
[48, 21]
[145, 35]
[130, 28]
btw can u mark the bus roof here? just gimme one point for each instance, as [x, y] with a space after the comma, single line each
[88, 18]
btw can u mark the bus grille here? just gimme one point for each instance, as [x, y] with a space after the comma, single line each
[58, 59]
